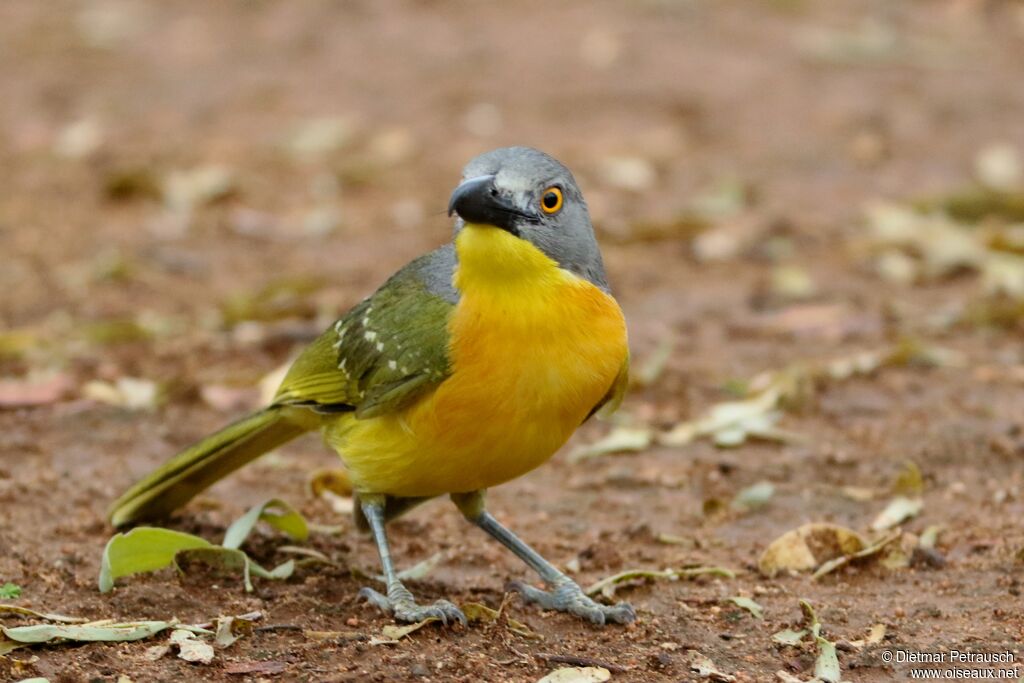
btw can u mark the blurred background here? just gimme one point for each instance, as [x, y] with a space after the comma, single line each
[813, 211]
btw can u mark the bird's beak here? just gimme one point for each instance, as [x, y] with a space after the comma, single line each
[477, 201]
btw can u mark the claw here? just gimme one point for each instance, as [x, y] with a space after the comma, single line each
[403, 608]
[567, 596]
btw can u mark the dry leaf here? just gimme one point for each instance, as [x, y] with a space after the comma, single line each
[577, 674]
[807, 547]
[131, 393]
[190, 648]
[619, 440]
[899, 510]
[703, 666]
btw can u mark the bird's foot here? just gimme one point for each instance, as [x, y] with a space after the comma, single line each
[402, 606]
[566, 596]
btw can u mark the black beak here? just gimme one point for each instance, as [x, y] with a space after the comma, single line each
[477, 201]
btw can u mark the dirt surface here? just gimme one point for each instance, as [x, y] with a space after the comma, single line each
[815, 109]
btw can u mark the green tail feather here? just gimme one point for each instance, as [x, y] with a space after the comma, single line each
[199, 466]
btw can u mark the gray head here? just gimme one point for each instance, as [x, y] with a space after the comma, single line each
[534, 197]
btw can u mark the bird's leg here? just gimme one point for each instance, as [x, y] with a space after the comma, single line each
[399, 602]
[565, 594]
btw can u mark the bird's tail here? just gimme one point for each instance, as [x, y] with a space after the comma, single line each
[199, 466]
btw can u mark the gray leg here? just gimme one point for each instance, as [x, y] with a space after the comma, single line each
[399, 601]
[565, 594]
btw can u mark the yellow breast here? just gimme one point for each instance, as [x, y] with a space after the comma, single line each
[533, 349]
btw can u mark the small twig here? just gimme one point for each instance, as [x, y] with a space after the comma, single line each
[278, 627]
[580, 661]
[248, 616]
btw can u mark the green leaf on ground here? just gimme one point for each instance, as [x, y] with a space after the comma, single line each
[749, 605]
[231, 561]
[826, 666]
[274, 512]
[788, 636]
[42, 633]
[143, 549]
[10, 591]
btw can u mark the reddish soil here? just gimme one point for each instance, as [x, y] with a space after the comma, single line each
[817, 108]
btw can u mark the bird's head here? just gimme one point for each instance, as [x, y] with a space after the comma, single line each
[533, 197]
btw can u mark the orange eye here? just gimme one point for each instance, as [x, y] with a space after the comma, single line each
[551, 200]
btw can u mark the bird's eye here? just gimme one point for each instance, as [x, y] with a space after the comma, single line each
[551, 200]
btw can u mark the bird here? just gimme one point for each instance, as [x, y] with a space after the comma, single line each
[469, 367]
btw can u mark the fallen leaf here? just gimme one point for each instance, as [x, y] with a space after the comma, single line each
[704, 667]
[930, 536]
[876, 634]
[476, 611]
[608, 585]
[184, 191]
[786, 677]
[232, 561]
[649, 372]
[274, 512]
[749, 605]
[807, 547]
[618, 440]
[130, 393]
[78, 139]
[826, 666]
[128, 631]
[909, 482]
[999, 167]
[393, 633]
[792, 282]
[789, 636]
[730, 423]
[754, 497]
[859, 494]
[155, 652]
[875, 548]
[577, 674]
[10, 591]
[143, 549]
[899, 510]
[421, 569]
[190, 648]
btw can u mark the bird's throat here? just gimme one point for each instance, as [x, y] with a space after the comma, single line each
[494, 260]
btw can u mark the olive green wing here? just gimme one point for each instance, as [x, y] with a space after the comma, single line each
[386, 351]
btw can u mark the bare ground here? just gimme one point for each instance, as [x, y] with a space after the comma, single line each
[816, 108]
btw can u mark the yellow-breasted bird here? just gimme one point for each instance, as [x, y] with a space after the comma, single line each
[469, 367]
